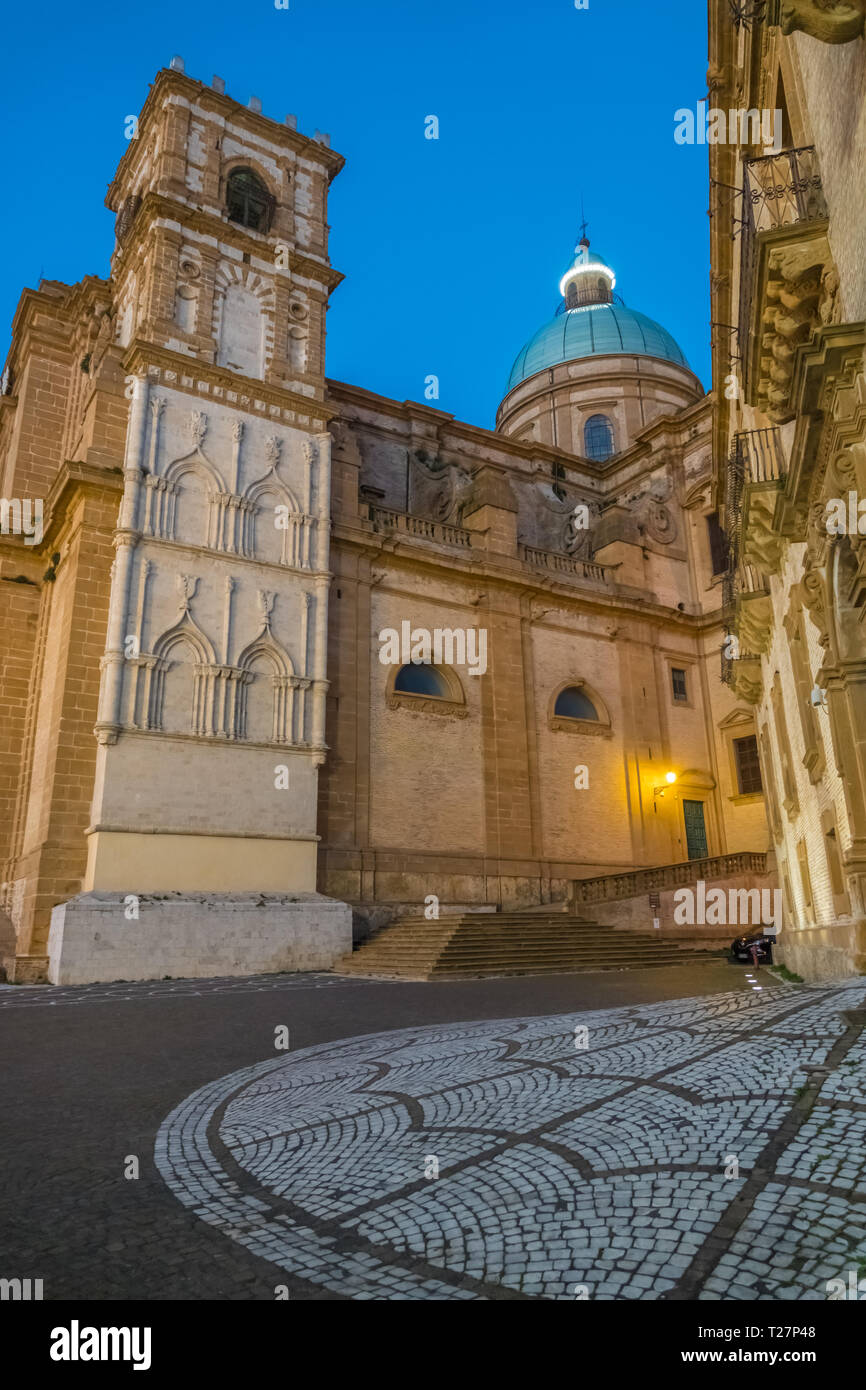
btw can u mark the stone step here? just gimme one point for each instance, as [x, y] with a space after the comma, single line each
[503, 943]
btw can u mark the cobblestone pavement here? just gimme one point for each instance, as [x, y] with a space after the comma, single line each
[708, 1148]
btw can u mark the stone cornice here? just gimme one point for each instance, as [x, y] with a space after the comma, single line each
[49, 316]
[180, 373]
[448, 426]
[211, 223]
[508, 573]
[72, 479]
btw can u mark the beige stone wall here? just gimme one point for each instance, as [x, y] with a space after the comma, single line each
[427, 782]
[580, 826]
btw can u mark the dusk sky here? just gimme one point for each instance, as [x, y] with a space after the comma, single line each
[452, 249]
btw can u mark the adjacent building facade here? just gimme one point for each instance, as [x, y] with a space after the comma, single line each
[788, 309]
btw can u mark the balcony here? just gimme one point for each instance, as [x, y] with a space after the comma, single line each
[564, 564]
[788, 281]
[389, 522]
[755, 476]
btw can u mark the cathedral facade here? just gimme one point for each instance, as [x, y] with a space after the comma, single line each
[287, 653]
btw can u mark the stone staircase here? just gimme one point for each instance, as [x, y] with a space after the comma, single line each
[473, 945]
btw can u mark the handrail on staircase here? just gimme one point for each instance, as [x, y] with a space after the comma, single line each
[613, 887]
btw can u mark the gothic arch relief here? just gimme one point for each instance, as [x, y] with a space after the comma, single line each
[182, 503]
[243, 320]
[174, 671]
[281, 530]
[271, 706]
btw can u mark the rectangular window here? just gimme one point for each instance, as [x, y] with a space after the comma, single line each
[748, 766]
[718, 544]
[678, 680]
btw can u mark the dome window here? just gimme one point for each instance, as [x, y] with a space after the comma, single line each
[248, 200]
[598, 439]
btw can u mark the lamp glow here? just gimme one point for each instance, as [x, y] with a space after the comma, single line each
[670, 778]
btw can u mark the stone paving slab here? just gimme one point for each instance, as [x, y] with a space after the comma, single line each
[705, 1148]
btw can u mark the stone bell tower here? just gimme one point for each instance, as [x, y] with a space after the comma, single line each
[211, 712]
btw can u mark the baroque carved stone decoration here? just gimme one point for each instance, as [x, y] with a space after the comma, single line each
[801, 294]
[578, 539]
[831, 21]
[660, 523]
[197, 427]
[438, 489]
[421, 704]
[814, 600]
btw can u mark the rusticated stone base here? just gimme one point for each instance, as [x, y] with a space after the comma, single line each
[96, 937]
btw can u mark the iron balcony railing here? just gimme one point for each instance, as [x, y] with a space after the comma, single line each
[756, 457]
[779, 190]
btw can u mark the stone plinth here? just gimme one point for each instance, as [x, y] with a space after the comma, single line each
[194, 935]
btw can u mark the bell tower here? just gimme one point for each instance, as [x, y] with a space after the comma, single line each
[211, 721]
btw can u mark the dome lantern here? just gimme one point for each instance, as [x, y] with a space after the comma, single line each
[588, 280]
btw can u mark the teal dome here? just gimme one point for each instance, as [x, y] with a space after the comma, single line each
[594, 330]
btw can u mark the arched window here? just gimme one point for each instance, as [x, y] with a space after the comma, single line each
[576, 708]
[572, 703]
[571, 296]
[248, 200]
[422, 680]
[598, 438]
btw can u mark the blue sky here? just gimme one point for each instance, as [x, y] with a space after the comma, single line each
[452, 249]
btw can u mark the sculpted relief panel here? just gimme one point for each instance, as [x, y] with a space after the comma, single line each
[219, 616]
